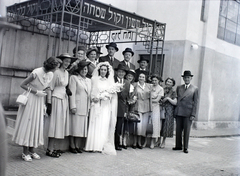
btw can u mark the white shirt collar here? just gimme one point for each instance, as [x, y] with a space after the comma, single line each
[142, 87]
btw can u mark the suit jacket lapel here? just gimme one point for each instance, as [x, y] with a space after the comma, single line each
[186, 92]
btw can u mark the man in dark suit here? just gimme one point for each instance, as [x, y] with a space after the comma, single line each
[111, 49]
[128, 54]
[185, 111]
[143, 63]
[123, 96]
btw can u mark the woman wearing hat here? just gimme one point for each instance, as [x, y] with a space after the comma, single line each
[79, 54]
[92, 54]
[59, 121]
[157, 93]
[80, 87]
[130, 127]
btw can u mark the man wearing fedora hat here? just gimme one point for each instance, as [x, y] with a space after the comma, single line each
[128, 54]
[123, 96]
[185, 111]
[111, 49]
[143, 63]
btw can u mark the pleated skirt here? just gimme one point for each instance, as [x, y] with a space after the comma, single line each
[59, 126]
[29, 123]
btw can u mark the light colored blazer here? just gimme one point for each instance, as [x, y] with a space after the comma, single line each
[80, 99]
[144, 100]
[187, 101]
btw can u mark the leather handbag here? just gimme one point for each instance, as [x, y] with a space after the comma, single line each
[149, 126]
[23, 98]
[133, 116]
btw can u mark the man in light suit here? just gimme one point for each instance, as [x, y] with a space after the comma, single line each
[128, 54]
[123, 96]
[185, 111]
[111, 49]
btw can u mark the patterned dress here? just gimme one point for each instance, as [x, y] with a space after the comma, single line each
[168, 125]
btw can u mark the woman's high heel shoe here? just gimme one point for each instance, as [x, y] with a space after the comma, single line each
[73, 150]
[139, 146]
[162, 145]
[52, 154]
[26, 157]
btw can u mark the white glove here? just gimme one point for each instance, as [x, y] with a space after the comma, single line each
[41, 93]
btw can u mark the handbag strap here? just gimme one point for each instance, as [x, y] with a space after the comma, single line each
[150, 118]
[28, 92]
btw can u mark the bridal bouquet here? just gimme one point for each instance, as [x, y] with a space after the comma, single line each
[117, 87]
[106, 94]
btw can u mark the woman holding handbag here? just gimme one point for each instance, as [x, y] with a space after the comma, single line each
[29, 124]
[143, 106]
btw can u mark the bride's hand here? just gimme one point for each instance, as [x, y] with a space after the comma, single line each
[95, 100]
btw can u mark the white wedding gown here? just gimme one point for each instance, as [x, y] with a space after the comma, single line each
[102, 120]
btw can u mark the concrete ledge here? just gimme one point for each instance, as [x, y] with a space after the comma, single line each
[215, 124]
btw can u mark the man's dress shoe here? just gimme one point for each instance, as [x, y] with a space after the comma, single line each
[185, 150]
[177, 148]
[118, 148]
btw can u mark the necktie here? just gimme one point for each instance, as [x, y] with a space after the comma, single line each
[128, 64]
[185, 87]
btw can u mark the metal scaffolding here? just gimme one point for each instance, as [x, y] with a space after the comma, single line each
[87, 22]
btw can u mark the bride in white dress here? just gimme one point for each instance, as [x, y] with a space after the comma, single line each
[103, 111]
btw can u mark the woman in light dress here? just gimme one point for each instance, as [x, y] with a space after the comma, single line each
[157, 93]
[102, 118]
[59, 121]
[80, 87]
[29, 124]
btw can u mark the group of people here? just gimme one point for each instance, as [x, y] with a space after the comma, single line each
[90, 99]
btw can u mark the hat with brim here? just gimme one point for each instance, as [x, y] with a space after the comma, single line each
[93, 49]
[122, 67]
[82, 64]
[67, 56]
[132, 72]
[143, 59]
[81, 47]
[112, 44]
[128, 50]
[187, 73]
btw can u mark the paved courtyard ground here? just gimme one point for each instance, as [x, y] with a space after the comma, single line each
[210, 154]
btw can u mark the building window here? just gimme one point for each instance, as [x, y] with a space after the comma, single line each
[229, 21]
